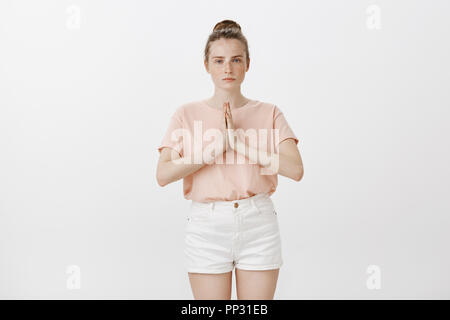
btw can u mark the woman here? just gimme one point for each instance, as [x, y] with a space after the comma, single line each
[232, 220]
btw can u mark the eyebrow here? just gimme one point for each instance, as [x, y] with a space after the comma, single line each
[232, 56]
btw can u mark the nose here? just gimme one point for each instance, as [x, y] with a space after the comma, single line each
[227, 67]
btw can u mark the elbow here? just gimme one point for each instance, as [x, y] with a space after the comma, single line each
[299, 174]
[164, 176]
[161, 181]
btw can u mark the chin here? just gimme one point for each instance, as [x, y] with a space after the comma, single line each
[233, 83]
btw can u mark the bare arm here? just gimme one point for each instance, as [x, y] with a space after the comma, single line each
[171, 167]
[291, 164]
[287, 162]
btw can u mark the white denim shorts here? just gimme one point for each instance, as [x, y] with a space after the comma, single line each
[242, 233]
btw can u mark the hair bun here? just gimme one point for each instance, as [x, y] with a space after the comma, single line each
[226, 29]
[227, 25]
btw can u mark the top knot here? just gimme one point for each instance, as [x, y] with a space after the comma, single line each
[227, 26]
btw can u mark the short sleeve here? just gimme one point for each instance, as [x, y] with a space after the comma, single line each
[285, 131]
[173, 138]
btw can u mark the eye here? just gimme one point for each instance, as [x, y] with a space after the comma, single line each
[238, 59]
[217, 61]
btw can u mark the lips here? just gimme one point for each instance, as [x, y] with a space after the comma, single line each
[229, 79]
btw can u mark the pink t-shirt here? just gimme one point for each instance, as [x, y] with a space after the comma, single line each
[264, 127]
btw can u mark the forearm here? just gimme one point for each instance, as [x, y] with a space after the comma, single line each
[173, 170]
[274, 163]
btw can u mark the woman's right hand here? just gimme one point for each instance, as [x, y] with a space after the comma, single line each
[221, 144]
[226, 140]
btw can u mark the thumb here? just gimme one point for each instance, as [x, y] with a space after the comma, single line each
[225, 121]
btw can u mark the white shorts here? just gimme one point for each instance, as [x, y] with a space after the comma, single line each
[223, 234]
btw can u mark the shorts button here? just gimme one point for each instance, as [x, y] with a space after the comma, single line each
[236, 204]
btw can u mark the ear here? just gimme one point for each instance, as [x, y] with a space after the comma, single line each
[248, 64]
[206, 65]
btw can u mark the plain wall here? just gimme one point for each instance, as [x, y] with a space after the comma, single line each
[86, 92]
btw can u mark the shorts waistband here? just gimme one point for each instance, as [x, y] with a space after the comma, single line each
[231, 203]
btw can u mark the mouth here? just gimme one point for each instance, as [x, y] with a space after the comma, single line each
[228, 79]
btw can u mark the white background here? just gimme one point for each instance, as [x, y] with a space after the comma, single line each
[85, 103]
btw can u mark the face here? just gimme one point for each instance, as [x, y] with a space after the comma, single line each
[227, 59]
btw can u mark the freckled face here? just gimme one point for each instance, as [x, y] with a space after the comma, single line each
[227, 59]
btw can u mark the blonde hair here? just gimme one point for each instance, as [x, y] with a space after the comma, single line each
[227, 29]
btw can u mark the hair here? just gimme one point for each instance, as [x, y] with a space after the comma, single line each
[227, 29]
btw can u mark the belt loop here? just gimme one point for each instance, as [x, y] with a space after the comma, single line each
[253, 203]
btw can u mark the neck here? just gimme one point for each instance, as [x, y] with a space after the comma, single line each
[236, 99]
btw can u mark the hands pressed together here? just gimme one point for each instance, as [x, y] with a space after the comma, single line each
[231, 139]
[229, 128]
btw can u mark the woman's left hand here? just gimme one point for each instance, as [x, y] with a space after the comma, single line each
[228, 116]
[230, 126]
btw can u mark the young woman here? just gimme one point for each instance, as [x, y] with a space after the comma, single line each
[232, 221]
